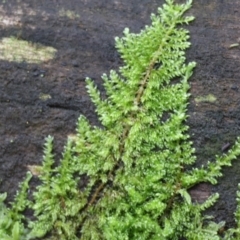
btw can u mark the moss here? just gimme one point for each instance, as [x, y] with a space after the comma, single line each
[208, 98]
[16, 50]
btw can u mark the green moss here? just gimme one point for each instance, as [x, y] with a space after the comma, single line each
[44, 96]
[69, 14]
[208, 98]
[135, 171]
[16, 50]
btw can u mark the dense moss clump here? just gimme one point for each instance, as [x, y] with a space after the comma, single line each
[138, 163]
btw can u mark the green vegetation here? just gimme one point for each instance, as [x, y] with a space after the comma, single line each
[44, 96]
[128, 179]
[208, 98]
[68, 13]
[15, 50]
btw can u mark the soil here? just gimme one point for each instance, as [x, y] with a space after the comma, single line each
[85, 47]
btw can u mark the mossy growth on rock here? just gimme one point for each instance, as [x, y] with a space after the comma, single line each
[136, 167]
